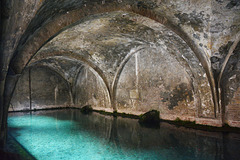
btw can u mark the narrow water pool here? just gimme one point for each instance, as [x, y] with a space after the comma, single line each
[69, 134]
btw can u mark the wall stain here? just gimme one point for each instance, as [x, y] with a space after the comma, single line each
[180, 93]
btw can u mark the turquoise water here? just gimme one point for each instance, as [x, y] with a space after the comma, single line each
[68, 134]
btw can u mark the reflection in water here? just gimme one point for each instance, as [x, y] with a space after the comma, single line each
[68, 134]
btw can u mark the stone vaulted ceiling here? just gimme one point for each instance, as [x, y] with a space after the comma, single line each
[123, 55]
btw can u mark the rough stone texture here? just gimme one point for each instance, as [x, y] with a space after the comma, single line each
[230, 83]
[47, 89]
[67, 68]
[224, 29]
[86, 109]
[170, 77]
[159, 83]
[150, 118]
[20, 99]
[89, 89]
[205, 26]
[14, 19]
[225, 23]
[232, 110]
[160, 11]
[82, 86]
[15, 15]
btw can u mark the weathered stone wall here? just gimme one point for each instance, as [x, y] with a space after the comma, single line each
[229, 83]
[232, 110]
[153, 80]
[225, 24]
[48, 88]
[193, 32]
[21, 95]
[44, 88]
[168, 72]
[89, 89]
[136, 65]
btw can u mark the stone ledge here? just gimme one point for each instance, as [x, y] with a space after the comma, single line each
[233, 123]
[209, 122]
[174, 117]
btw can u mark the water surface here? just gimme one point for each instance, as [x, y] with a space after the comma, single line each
[68, 134]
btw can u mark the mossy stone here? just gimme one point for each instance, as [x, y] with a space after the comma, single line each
[150, 118]
[86, 109]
